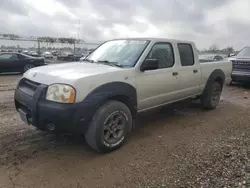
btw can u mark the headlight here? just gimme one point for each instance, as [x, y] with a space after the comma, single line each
[61, 93]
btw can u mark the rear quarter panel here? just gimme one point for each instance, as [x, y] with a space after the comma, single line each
[208, 67]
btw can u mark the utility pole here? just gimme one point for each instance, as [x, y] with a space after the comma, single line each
[79, 24]
[78, 34]
[74, 46]
[38, 46]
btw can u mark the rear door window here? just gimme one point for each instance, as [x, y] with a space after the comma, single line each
[5, 56]
[186, 54]
[8, 56]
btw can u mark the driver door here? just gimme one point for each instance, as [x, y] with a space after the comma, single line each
[158, 87]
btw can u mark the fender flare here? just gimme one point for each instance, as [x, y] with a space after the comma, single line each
[114, 90]
[217, 75]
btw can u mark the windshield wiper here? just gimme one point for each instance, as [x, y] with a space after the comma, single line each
[110, 63]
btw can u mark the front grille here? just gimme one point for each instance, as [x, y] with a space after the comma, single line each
[241, 65]
[27, 86]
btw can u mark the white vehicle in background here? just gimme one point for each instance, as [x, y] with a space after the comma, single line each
[82, 58]
[210, 57]
[65, 56]
[101, 96]
[33, 53]
[47, 55]
[25, 52]
[84, 55]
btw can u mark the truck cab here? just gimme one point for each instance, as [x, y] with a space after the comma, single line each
[100, 96]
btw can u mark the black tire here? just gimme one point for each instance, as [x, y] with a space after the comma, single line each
[98, 135]
[27, 67]
[211, 96]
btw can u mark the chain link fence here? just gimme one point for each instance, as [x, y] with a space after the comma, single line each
[41, 45]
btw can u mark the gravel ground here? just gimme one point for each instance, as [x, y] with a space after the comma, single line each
[178, 146]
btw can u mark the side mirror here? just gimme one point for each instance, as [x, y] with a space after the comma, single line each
[150, 64]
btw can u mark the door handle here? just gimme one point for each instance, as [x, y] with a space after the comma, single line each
[175, 73]
[195, 71]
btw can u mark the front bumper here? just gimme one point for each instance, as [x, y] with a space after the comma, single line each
[239, 76]
[45, 115]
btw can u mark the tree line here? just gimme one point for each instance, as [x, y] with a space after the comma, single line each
[214, 48]
[45, 39]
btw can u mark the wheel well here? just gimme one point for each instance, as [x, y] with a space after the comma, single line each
[219, 80]
[127, 101]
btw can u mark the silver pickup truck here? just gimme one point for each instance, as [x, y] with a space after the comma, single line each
[101, 96]
[241, 66]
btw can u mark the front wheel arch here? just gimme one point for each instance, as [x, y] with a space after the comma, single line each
[119, 91]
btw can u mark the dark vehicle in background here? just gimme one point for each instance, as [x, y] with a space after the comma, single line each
[17, 62]
[241, 66]
[211, 57]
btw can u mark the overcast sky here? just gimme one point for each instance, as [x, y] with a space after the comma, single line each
[224, 22]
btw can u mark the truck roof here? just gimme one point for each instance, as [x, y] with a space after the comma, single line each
[155, 39]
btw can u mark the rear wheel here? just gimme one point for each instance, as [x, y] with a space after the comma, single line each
[109, 127]
[27, 67]
[211, 96]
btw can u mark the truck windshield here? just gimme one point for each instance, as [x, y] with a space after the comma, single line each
[244, 53]
[124, 53]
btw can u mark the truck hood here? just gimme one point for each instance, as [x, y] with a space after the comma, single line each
[67, 73]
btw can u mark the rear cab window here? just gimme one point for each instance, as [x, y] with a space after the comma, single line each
[186, 54]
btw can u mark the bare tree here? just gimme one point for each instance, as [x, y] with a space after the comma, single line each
[229, 49]
[214, 48]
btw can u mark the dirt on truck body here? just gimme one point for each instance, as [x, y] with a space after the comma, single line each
[176, 146]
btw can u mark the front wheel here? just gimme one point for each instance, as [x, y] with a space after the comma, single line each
[109, 127]
[211, 96]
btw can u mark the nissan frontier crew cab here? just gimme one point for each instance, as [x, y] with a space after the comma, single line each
[101, 96]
